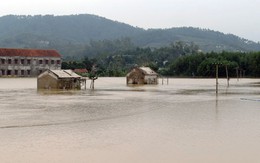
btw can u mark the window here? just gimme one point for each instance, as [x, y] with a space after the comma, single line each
[52, 62]
[22, 72]
[15, 61]
[9, 72]
[28, 72]
[22, 61]
[40, 61]
[40, 71]
[28, 61]
[3, 72]
[46, 62]
[15, 72]
[2, 61]
[9, 61]
[58, 62]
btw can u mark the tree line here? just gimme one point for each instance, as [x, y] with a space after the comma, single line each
[179, 59]
[203, 64]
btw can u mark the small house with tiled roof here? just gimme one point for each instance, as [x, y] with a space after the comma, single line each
[142, 75]
[59, 79]
[27, 62]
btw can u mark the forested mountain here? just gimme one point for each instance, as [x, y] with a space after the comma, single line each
[72, 34]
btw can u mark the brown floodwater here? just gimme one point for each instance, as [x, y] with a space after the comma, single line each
[183, 122]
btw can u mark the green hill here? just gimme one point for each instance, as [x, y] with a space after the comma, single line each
[70, 34]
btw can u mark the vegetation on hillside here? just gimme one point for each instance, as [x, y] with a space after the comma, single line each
[72, 34]
[179, 59]
[114, 47]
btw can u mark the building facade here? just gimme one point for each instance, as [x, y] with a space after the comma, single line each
[27, 62]
[142, 75]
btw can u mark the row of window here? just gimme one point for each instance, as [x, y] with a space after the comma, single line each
[27, 61]
[16, 72]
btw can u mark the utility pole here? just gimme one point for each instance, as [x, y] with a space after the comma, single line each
[217, 65]
[93, 76]
[227, 75]
[216, 78]
[237, 73]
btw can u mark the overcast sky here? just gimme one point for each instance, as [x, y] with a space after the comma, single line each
[239, 17]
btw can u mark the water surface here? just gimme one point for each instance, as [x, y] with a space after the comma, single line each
[184, 121]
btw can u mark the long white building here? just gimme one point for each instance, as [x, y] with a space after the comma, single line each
[28, 62]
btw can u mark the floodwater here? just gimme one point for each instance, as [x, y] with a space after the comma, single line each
[182, 122]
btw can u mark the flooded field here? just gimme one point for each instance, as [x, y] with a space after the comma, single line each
[182, 122]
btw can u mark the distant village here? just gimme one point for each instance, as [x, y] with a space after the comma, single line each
[46, 66]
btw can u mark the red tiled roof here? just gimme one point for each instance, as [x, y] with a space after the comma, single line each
[81, 70]
[29, 52]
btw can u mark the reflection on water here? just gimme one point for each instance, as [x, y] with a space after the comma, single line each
[184, 121]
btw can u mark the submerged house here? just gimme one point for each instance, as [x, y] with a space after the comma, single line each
[27, 62]
[142, 75]
[59, 79]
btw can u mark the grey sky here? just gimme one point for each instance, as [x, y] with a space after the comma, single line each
[239, 17]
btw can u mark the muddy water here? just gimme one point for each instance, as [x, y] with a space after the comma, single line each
[181, 122]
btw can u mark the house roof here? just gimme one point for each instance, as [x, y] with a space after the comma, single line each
[148, 71]
[65, 74]
[81, 70]
[29, 52]
[145, 70]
